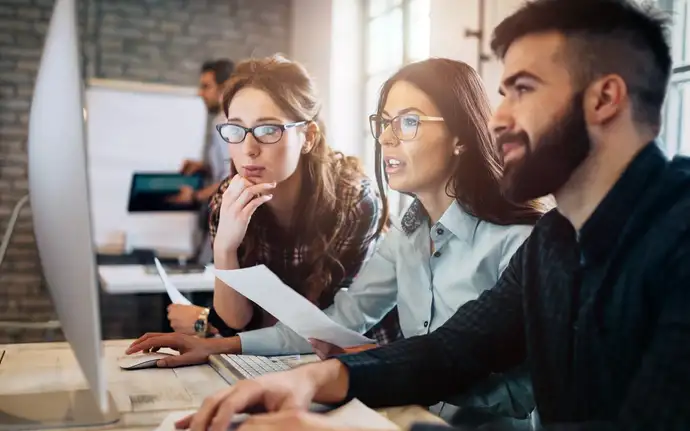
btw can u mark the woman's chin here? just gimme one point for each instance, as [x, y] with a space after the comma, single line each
[261, 179]
[398, 184]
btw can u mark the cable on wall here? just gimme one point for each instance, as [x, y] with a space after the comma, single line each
[10, 227]
[7, 236]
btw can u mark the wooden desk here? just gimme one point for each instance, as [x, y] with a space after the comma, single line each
[144, 397]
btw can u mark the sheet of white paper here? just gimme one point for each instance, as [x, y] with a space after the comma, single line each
[260, 285]
[356, 414]
[175, 296]
[168, 423]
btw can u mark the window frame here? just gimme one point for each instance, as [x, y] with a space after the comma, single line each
[676, 113]
[675, 110]
[397, 201]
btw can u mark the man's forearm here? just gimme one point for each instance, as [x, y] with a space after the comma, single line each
[235, 310]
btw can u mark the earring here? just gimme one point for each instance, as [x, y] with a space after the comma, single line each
[456, 151]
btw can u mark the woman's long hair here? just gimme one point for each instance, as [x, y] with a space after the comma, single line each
[457, 90]
[320, 214]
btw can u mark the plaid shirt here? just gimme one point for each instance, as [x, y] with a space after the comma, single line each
[286, 257]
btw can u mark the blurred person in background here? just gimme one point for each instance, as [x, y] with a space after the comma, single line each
[215, 167]
[215, 163]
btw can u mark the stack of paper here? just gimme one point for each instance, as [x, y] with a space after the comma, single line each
[356, 414]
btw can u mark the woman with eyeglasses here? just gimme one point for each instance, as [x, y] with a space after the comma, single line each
[291, 203]
[432, 142]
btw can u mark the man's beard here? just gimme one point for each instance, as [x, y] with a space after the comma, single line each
[547, 165]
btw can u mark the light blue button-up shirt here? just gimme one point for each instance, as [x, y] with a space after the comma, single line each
[469, 256]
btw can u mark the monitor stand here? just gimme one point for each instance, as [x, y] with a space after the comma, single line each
[51, 410]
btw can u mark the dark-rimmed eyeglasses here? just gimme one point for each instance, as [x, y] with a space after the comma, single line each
[263, 133]
[405, 126]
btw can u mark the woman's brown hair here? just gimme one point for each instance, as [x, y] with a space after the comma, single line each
[320, 214]
[457, 90]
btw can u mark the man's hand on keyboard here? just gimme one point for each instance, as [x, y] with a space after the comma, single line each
[287, 391]
[192, 350]
[324, 382]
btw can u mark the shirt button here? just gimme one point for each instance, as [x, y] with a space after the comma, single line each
[437, 254]
[439, 231]
[426, 323]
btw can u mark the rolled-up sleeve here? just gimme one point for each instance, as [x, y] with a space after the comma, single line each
[274, 340]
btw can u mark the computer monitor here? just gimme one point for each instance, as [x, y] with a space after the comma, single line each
[61, 215]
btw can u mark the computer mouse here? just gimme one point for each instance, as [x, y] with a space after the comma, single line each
[140, 360]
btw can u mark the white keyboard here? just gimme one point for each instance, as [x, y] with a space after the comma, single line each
[249, 366]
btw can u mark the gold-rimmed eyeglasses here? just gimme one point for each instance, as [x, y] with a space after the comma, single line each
[404, 126]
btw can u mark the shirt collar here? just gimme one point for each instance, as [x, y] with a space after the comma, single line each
[604, 226]
[458, 221]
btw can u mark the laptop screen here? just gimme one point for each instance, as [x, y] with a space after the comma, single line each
[153, 191]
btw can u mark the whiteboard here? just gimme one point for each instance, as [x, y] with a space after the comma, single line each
[135, 127]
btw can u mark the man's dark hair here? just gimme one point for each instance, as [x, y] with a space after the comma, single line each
[222, 69]
[602, 37]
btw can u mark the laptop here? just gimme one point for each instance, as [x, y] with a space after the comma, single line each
[152, 191]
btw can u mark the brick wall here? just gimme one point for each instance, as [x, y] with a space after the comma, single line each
[142, 40]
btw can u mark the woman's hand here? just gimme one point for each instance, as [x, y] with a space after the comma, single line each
[182, 317]
[326, 350]
[240, 200]
[192, 350]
